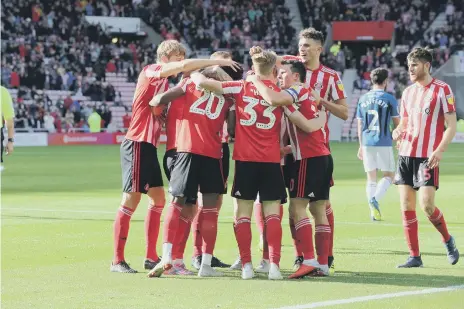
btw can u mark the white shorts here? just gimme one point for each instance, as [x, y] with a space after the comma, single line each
[378, 158]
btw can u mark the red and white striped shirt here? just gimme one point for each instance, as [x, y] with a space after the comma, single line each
[174, 118]
[424, 109]
[305, 145]
[144, 127]
[326, 82]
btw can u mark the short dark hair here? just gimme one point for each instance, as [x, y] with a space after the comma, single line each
[235, 75]
[297, 67]
[379, 76]
[311, 33]
[421, 54]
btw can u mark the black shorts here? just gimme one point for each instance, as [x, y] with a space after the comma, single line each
[140, 167]
[414, 172]
[287, 169]
[311, 178]
[192, 173]
[168, 162]
[225, 164]
[264, 178]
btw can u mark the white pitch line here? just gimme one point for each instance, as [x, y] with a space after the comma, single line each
[374, 297]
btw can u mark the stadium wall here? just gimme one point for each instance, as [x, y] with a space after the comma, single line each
[31, 139]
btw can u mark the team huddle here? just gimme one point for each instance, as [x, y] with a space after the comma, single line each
[278, 116]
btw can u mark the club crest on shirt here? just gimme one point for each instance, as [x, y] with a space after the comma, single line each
[450, 99]
[318, 86]
[340, 85]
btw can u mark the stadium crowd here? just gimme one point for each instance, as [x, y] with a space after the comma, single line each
[49, 46]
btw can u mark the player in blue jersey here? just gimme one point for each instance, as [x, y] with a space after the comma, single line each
[375, 112]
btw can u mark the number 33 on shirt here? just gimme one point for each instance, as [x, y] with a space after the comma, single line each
[257, 131]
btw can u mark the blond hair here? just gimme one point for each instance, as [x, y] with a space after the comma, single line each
[169, 48]
[264, 61]
[216, 73]
[221, 55]
[311, 33]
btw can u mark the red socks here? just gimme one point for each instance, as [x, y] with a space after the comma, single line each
[296, 244]
[152, 227]
[274, 237]
[411, 227]
[171, 223]
[330, 217]
[183, 231]
[304, 237]
[322, 238]
[438, 220]
[197, 237]
[242, 229]
[208, 229]
[121, 231]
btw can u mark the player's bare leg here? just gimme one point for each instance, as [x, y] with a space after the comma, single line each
[304, 237]
[208, 230]
[436, 217]
[170, 228]
[410, 225]
[156, 202]
[271, 210]
[242, 227]
[322, 234]
[129, 203]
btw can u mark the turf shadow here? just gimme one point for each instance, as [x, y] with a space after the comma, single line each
[396, 279]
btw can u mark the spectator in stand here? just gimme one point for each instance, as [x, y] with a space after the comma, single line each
[49, 123]
[94, 121]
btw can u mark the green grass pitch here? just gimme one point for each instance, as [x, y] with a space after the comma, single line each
[58, 205]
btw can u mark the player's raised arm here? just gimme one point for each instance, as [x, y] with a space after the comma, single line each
[168, 96]
[207, 83]
[271, 96]
[174, 68]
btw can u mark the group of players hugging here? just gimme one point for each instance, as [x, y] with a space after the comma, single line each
[278, 115]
